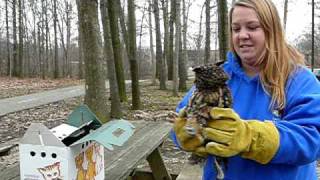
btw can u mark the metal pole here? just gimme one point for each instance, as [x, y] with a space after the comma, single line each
[312, 38]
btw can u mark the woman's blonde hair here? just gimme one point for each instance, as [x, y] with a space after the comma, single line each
[279, 59]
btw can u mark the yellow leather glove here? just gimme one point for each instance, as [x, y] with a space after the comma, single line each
[229, 135]
[189, 142]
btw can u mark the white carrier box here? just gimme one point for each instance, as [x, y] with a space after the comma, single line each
[73, 151]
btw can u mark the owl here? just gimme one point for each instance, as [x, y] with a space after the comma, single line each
[211, 91]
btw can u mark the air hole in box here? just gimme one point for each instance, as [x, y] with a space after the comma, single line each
[54, 155]
[32, 153]
[43, 154]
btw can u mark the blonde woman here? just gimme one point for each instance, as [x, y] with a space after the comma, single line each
[273, 129]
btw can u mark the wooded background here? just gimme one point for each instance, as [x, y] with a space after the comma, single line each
[103, 39]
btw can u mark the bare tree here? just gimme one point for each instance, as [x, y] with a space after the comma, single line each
[184, 56]
[159, 57]
[177, 48]
[35, 58]
[56, 60]
[140, 54]
[46, 36]
[136, 104]
[68, 18]
[285, 12]
[122, 23]
[207, 43]
[114, 29]
[171, 37]
[123, 27]
[8, 42]
[95, 96]
[222, 28]
[115, 111]
[15, 71]
[153, 63]
[166, 37]
[200, 37]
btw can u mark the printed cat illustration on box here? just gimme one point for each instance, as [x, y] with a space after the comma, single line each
[51, 172]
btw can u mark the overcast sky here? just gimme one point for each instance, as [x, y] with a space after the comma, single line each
[298, 19]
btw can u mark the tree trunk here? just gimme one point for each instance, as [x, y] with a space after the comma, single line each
[63, 46]
[114, 29]
[136, 104]
[8, 42]
[222, 29]
[199, 38]
[124, 33]
[15, 43]
[177, 48]
[115, 111]
[140, 53]
[122, 23]
[285, 12]
[56, 60]
[171, 37]
[44, 55]
[153, 63]
[159, 57]
[47, 32]
[166, 34]
[183, 74]
[68, 26]
[95, 96]
[80, 40]
[207, 43]
[216, 39]
[40, 50]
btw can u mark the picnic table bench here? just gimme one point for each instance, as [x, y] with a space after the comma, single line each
[121, 162]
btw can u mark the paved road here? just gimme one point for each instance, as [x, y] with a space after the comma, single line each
[19, 103]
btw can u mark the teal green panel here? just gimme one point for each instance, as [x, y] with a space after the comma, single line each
[81, 115]
[115, 132]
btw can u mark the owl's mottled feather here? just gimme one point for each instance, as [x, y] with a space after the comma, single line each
[211, 91]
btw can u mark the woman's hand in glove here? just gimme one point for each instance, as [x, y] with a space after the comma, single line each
[189, 141]
[229, 135]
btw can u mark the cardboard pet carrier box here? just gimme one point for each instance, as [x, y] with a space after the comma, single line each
[71, 151]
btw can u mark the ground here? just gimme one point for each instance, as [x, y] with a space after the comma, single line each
[157, 106]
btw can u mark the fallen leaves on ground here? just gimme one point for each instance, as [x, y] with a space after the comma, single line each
[10, 87]
[157, 105]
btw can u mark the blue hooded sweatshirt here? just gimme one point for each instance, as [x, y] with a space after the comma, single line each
[298, 126]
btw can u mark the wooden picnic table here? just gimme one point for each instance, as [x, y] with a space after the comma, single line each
[121, 162]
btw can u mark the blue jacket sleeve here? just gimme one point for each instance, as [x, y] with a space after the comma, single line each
[181, 105]
[299, 127]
